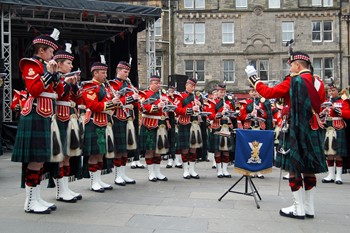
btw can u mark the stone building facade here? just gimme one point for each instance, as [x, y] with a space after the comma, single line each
[216, 39]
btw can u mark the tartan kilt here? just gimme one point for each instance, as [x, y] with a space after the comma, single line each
[183, 137]
[94, 139]
[312, 163]
[119, 132]
[147, 139]
[62, 126]
[33, 139]
[215, 141]
[283, 160]
[341, 148]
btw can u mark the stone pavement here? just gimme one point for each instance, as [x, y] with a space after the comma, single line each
[172, 207]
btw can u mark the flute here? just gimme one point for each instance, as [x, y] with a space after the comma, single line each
[116, 95]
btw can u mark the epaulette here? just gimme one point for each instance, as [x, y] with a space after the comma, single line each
[176, 93]
[23, 61]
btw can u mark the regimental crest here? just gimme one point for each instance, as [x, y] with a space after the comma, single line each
[31, 72]
[255, 152]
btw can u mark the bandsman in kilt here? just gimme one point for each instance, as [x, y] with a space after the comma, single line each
[98, 135]
[189, 133]
[37, 140]
[123, 126]
[221, 126]
[207, 107]
[172, 93]
[334, 113]
[154, 128]
[304, 93]
[67, 120]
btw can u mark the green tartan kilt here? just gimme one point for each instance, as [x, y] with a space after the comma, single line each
[147, 139]
[119, 132]
[94, 139]
[62, 126]
[313, 160]
[283, 160]
[341, 147]
[215, 141]
[183, 137]
[33, 139]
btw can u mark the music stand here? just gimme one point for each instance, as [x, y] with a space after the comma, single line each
[255, 148]
[254, 192]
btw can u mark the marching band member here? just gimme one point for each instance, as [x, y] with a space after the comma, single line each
[154, 129]
[37, 139]
[97, 141]
[220, 117]
[304, 93]
[67, 91]
[207, 108]
[171, 93]
[123, 123]
[335, 139]
[189, 134]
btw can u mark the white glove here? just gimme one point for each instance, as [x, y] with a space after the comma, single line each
[250, 70]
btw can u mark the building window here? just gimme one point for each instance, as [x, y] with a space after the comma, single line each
[325, 3]
[194, 4]
[322, 31]
[286, 68]
[194, 33]
[195, 67]
[241, 4]
[262, 67]
[159, 66]
[229, 70]
[287, 31]
[274, 3]
[158, 27]
[324, 67]
[228, 33]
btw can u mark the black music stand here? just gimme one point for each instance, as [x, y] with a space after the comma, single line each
[254, 192]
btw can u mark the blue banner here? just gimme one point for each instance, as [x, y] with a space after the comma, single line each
[254, 151]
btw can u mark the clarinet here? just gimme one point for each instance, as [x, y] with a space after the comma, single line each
[116, 95]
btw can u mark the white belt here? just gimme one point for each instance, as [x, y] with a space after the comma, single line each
[334, 118]
[82, 106]
[66, 103]
[49, 95]
[154, 117]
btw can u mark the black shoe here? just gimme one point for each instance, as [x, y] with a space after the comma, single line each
[291, 215]
[133, 167]
[101, 190]
[227, 176]
[153, 180]
[220, 176]
[339, 182]
[120, 184]
[178, 166]
[213, 167]
[130, 182]
[309, 215]
[195, 177]
[53, 207]
[141, 166]
[164, 179]
[260, 176]
[187, 177]
[73, 200]
[327, 181]
[168, 166]
[79, 197]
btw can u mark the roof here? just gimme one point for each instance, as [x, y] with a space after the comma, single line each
[100, 18]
